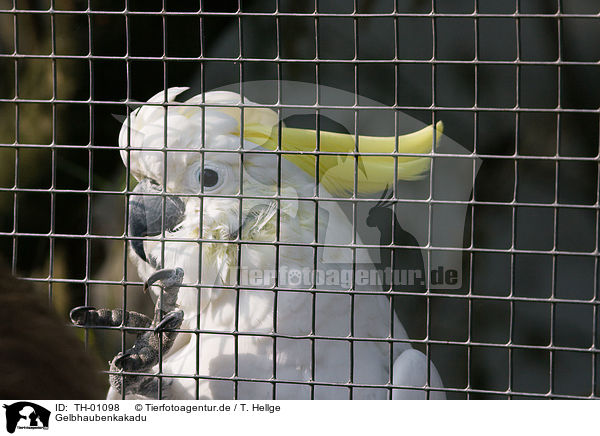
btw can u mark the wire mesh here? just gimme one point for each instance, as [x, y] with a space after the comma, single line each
[516, 85]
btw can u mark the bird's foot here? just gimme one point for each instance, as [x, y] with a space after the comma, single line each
[143, 355]
[153, 342]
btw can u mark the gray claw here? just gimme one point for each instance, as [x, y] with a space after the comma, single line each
[79, 314]
[171, 321]
[127, 361]
[118, 360]
[169, 278]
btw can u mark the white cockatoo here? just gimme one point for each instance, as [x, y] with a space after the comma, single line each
[247, 212]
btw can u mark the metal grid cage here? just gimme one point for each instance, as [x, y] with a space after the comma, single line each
[515, 82]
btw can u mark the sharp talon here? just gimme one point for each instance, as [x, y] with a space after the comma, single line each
[117, 360]
[173, 318]
[121, 359]
[169, 277]
[73, 314]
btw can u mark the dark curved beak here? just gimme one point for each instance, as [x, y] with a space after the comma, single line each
[146, 215]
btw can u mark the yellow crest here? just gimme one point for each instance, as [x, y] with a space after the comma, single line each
[338, 162]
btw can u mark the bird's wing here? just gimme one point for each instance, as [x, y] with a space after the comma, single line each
[410, 369]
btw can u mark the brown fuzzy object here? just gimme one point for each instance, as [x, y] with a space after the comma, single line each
[41, 357]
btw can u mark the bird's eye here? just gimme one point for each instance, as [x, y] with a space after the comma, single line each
[210, 178]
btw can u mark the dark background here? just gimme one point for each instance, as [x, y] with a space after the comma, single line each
[528, 107]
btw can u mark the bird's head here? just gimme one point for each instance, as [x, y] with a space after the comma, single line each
[218, 168]
[382, 212]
